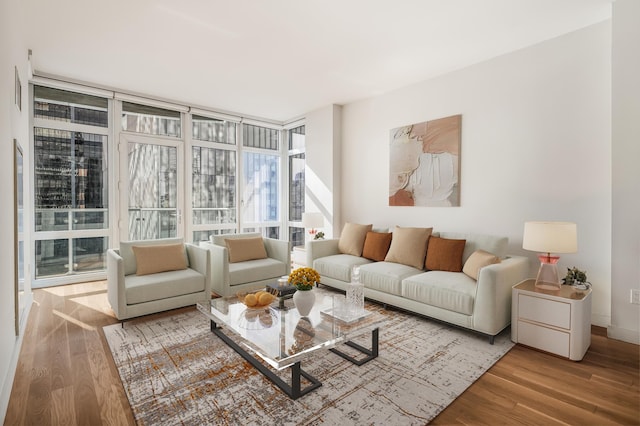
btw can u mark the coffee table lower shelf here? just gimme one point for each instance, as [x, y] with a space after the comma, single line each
[295, 390]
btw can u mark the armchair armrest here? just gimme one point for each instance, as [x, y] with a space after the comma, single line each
[492, 309]
[116, 290]
[279, 250]
[219, 272]
[321, 248]
[199, 261]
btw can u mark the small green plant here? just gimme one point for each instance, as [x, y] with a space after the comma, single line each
[319, 236]
[575, 276]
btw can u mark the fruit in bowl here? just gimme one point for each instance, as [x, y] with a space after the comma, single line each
[259, 299]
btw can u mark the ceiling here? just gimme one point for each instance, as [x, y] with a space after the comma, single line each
[278, 59]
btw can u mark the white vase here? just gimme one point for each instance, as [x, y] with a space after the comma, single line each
[304, 301]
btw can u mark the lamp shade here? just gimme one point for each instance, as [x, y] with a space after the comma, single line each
[312, 220]
[550, 237]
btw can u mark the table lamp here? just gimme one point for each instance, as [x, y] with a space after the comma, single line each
[311, 221]
[547, 238]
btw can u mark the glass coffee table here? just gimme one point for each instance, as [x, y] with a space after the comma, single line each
[283, 339]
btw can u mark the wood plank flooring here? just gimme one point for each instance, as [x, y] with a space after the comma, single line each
[66, 376]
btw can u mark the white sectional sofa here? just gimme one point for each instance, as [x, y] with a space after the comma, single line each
[482, 304]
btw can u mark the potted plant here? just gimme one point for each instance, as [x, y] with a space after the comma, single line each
[576, 277]
[304, 279]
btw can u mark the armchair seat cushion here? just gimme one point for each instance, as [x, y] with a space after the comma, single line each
[256, 270]
[163, 285]
[453, 291]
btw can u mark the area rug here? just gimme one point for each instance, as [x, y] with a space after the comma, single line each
[175, 371]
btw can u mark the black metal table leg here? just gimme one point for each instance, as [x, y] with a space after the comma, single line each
[371, 353]
[294, 391]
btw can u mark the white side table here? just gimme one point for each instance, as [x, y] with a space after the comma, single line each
[298, 257]
[553, 321]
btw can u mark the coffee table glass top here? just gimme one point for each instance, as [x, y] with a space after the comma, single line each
[282, 337]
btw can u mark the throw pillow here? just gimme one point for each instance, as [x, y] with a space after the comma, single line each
[152, 259]
[243, 249]
[444, 254]
[376, 245]
[352, 238]
[408, 246]
[478, 260]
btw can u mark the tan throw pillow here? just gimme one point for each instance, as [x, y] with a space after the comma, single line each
[242, 249]
[478, 260]
[352, 238]
[444, 254]
[151, 259]
[408, 246]
[376, 245]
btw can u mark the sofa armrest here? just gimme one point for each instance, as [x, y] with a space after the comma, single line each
[116, 289]
[321, 248]
[219, 261]
[199, 260]
[492, 308]
[279, 250]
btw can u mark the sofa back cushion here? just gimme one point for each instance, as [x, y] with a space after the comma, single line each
[444, 254]
[489, 243]
[129, 259]
[352, 238]
[243, 249]
[152, 259]
[376, 245]
[220, 240]
[408, 246]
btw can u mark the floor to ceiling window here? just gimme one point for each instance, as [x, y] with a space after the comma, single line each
[214, 171]
[296, 137]
[152, 139]
[70, 182]
[224, 175]
[260, 197]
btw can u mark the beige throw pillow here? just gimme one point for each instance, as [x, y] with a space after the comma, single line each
[151, 259]
[478, 260]
[409, 246]
[352, 238]
[242, 249]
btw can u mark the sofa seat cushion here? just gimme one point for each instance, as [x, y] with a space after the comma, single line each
[453, 291]
[163, 285]
[338, 266]
[386, 276]
[255, 270]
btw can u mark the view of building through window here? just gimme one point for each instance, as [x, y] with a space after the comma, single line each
[235, 182]
[70, 182]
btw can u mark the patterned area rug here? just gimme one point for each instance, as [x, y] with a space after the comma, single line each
[175, 371]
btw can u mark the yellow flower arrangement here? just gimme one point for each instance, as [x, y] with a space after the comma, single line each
[304, 278]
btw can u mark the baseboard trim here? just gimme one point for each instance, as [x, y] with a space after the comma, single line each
[624, 334]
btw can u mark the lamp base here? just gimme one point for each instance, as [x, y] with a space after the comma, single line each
[547, 278]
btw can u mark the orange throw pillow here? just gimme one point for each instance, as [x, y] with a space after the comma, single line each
[376, 245]
[444, 254]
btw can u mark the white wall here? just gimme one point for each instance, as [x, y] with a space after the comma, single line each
[625, 255]
[323, 166]
[13, 125]
[536, 137]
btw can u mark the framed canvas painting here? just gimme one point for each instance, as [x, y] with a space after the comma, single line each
[424, 163]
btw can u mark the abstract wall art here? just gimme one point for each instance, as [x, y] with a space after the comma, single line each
[424, 163]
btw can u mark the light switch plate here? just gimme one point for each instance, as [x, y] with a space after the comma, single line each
[635, 296]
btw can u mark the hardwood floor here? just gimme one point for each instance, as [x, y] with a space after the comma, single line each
[66, 376]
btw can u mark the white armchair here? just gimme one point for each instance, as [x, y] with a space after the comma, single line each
[132, 295]
[229, 278]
